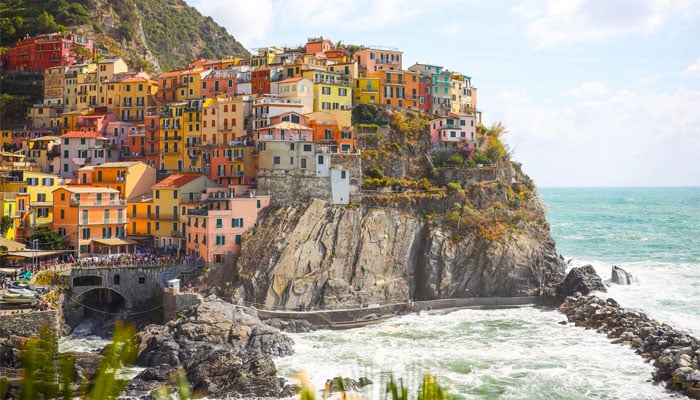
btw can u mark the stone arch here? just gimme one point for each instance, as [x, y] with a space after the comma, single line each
[105, 290]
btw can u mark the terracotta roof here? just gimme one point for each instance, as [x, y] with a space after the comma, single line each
[298, 78]
[87, 189]
[176, 181]
[119, 164]
[79, 134]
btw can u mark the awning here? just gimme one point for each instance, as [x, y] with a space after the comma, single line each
[113, 242]
[33, 253]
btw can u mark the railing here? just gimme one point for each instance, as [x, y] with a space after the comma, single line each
[198, 211]
[95, 203]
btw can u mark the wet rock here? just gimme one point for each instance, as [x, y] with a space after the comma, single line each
[224, 349]
[674, 354]
[621, 277]
[581, 279]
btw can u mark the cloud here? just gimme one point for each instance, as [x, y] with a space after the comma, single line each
[565, 22]
[248, 21]
[590, 89]
[627, 138]
[692, 70]
[257, 22]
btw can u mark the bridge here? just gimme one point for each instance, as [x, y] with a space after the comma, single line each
[138, 287]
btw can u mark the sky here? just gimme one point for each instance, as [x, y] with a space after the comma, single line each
[591, 92]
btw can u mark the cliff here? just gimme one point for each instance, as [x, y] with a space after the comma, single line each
[324, 256]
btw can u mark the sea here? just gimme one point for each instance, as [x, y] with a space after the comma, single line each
[531, 352]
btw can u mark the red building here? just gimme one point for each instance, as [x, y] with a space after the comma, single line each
[260, 79]
[48, 50]
[425, 90]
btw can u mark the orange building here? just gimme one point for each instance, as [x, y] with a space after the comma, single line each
[93, 217]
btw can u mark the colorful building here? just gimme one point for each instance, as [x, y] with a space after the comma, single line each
[378, 58]
[40, 52]
[93, 219]
[132, 179]
[298, 90]
[216, 225]
[454, 131]
[168, 196]
[84, 148]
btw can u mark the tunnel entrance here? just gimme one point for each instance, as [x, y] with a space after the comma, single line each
[101, 307]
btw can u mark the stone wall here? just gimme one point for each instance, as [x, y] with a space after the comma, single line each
[173, 303]
[28, 324]
[466, 176]
[288, 186]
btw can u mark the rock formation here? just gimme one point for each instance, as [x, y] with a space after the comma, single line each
[583, 280]
[224, 350]
[675, 355]
[621, 277]
[323, 256]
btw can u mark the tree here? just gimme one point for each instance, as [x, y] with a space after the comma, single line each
[48, 240]
[6, 224]
[364, 114]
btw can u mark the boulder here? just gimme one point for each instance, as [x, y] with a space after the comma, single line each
[621, 277]
[583, 280]
[224, 349]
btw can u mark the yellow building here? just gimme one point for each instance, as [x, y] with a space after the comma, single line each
[8, 204]
[140, 215]
[39, 186]
[70, 121]
[74, 87]
[180, 85]
[223, 120]
[171, 144]
[366, 90]
[332, 93]
[45, 152]
[129, 96]
[168, 198]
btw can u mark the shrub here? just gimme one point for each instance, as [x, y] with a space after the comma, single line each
[375, 172]
[480, 158]
[455, 159]
[453, 187]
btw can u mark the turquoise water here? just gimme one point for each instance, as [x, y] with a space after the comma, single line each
[525, 353]
[626, 224]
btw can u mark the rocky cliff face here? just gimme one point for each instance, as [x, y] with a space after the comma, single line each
[319, 255]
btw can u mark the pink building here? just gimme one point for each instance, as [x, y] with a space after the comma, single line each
[218, 81]
[95, 122]
[214, 229]
[456, 131]
[378, 58]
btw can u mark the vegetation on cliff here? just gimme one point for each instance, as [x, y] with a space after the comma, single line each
[474, 192]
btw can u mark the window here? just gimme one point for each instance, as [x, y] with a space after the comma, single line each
[326, 105]
[116, 279]
[220, 240]
[158, 192]
[343, 174]
[63, 214]
[276, 160]
[342, 92]
[302, 165]
[307, 147]
[258, 203]
[142, 280]
[238, 240]
[219, 223]
[174, 194]
[320, 160]
[325, 90]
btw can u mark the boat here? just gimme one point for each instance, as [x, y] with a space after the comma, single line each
[21, 291]
[17, 298]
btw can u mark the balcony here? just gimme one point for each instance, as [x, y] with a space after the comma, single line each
[198, 211]
[168, 217]
[96, 203]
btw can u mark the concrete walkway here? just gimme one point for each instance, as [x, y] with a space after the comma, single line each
[361, 316]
